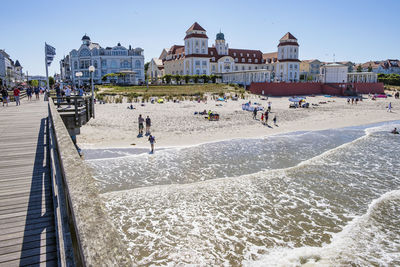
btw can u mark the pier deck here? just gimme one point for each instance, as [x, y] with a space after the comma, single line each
[27, 227]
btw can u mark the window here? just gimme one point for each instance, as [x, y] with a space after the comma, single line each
[95, 64]
[249, 67]
[197, 63]
[236, 60]
[234, 54]
[197, 72]
[204, 63]
[104, 63]
[255, 67]
[213, 67]
[290, 66]
[204, 72]
[254, 55]
[243, 59]
[242, 67]
[138, 65]
[197, 50]
[248, 55]
[236, 67]
[249, 60]
[295, 67]
[203, 51]
[197, 43]
[212, 53]
[213, 58]
[256, 60]
[75, 65]
[241, 54]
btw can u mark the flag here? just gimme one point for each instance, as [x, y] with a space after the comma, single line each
[50, 53]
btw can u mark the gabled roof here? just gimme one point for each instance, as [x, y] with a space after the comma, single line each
[17, 64]
[157, 61]
[196, 27]
[288, 36]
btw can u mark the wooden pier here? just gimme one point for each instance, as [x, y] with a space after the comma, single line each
[27, 226]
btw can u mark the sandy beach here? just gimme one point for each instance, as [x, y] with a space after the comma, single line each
[174, 124]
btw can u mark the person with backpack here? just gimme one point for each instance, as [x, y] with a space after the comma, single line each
[4, 95]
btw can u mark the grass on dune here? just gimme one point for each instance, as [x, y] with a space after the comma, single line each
[169, 90]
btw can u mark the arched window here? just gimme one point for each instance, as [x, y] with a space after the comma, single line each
[137, 64]
[75, 64]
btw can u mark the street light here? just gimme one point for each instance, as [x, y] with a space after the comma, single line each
[91, 70]
[79, 74]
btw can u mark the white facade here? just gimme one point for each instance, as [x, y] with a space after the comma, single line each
[246, 77]
[10, 72]
[127, 63]
[334, 73]
[288, 65]
[155, 70]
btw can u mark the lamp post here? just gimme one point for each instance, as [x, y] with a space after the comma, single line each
[78, 75]
[91, 70]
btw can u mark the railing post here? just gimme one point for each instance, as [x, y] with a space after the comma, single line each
[76, 112]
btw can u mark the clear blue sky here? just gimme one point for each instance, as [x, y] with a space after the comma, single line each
[355, 30]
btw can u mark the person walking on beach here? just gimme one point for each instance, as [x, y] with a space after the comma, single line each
[148, 124]
[17, 92]
[140, 121]
[152, 140]
[266, 117]
[255, 113]
[4, 95]
[269, 106]
[389, 107]
[262, 118]
[352, 101]
[274, 120]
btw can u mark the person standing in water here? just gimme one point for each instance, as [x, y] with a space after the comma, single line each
[152, 140]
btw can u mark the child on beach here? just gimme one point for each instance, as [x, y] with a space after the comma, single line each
[262, 118]
[152, 140]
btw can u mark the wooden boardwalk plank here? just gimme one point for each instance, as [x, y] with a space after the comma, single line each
[27, 228]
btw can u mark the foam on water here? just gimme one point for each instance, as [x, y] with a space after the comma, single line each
[290, 213]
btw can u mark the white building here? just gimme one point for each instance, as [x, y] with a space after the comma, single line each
[126, 64]
[246, 77]
[333, 73]
[338, 73]
[10, 71]
[195, 57]
[155, 70]
[288, 66]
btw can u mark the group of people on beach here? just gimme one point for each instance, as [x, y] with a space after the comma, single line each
[265, 115]
[151, 138]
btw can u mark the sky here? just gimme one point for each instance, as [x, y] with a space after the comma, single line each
[354, 30]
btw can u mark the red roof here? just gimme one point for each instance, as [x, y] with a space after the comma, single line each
[196, 27]
[178, 52]
[198, 35]
[288, 36]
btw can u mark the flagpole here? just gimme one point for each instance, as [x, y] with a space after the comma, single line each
[47, 70]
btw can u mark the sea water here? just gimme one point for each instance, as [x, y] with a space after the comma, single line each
[322, 198]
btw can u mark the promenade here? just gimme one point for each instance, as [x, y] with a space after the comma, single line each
[27, 232]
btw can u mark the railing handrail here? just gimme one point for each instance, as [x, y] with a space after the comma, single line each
[93, 235]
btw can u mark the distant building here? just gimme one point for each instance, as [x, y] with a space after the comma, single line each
[156, 67]
[195, 57]
[65, 69]
[126, 63]
[333, 73]
[10, 71]
[338, 73]
[389, 66]
[310, 69]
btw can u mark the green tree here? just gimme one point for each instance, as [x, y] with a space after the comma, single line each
[213, 78]
[205, 78]
[34, 83]
[51, 81]
[359, 68]
[195, 78]
[167, 78]
[146, 66]
[177, 78]
[369, 68]
[186, 78]
[310, 78]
